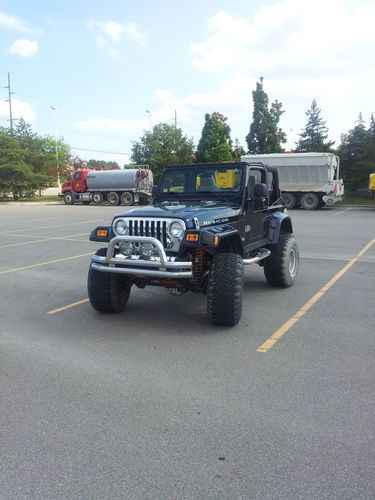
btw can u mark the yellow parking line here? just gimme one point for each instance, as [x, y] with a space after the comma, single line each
[275, 337]
[341, 212]
[69, 306]
[44, 263]
[42, 240]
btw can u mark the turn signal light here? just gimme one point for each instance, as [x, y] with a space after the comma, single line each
[102, 233]
[192, 237]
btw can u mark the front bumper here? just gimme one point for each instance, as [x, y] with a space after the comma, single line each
[157, 267]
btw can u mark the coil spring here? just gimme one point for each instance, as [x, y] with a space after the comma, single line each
[198, 267]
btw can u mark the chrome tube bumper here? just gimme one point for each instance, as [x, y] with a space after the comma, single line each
[158, 267]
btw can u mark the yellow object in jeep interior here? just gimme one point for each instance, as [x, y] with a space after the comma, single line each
[371, 184]
[228, 179]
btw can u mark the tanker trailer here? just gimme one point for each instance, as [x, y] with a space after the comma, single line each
[125, 186]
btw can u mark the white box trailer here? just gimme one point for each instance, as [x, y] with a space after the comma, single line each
[309, 180]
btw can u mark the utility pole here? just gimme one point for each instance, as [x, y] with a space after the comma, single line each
[175, 119]
[10, 104]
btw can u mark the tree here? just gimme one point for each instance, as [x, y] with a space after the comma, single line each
[315, 133]
[265, 136]
[238, 150]
[215, 144]
[16, 177]
[40, 152]
[103, 165]
[165, 145]
[356, 151]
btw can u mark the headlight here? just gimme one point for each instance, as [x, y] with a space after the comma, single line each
[176, 229]
[121, 227]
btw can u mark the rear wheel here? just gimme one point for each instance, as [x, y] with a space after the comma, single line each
[281, 267]
[290, 201]
[310, 201]
[113, 198]
[127, 199]
[108, 292]
[97, 198]
[69, 198]
[224, 289]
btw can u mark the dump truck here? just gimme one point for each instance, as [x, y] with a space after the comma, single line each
[307, 180]
[124, 187]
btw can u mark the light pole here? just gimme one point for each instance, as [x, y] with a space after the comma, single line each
[149, 112]
[56, 146]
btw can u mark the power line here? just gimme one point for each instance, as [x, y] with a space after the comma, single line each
[98, 151]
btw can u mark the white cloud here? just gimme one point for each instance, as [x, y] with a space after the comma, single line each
[290, 35]
[14, 22]
[25, 48]
[20, 109]
[110, 32]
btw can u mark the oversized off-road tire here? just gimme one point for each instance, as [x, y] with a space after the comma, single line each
[108, 292]
[127, 199]
[224, 289]
[290, 200]
[113, 198]
[309, 201]
[69, 198]
[281, 267]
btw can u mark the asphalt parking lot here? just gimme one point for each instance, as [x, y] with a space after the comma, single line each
[157, 403]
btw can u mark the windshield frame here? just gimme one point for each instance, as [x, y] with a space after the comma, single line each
[230, 196]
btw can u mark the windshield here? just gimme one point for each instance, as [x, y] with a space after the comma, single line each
[210, 179]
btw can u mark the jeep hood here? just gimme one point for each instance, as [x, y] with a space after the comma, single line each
[206, 213]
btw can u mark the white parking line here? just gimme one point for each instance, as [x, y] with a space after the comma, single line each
[44, 263]
[25, 221]
[51, 227]
[341, 212]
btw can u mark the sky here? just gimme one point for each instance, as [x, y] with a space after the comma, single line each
[100, 73]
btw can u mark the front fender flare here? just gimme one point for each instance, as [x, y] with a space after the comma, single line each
[279, 223]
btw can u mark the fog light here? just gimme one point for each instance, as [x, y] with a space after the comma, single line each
[169, 242]
[126, 248]
[147, 250]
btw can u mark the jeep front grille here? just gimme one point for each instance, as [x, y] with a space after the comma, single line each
[157, 228]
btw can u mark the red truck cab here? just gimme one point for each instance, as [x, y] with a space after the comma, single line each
[78, 182]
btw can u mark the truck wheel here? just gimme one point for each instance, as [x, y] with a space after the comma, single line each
[108, 292]
[289, 200]
[127, 199]
[281, 267]
[309, 201]
[113, 198]
[97, 198]
[224, 289]
[69, 198]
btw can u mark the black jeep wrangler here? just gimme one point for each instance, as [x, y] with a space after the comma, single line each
[206, 222]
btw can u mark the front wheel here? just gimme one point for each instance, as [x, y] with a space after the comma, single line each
[69, 198]
[281, 267]
[97, 198]
[224, 289]
[108, 292]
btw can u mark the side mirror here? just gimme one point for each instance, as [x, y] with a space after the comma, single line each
[260, 190]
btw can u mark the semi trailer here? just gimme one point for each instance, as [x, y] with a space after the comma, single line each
[124, 187]
[307, 180]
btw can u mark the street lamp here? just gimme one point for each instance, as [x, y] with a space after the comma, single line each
[53, 107]
[149, 112]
